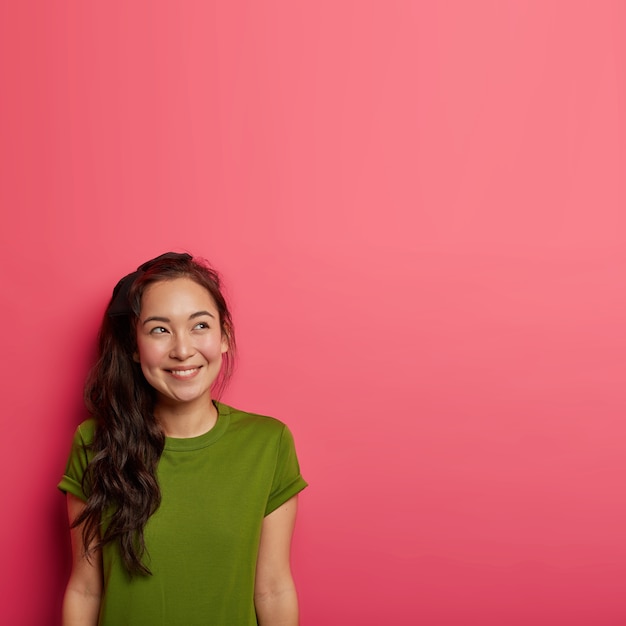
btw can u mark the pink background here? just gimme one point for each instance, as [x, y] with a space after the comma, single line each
[419, 211]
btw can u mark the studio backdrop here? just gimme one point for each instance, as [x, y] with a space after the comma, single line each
[418, 209]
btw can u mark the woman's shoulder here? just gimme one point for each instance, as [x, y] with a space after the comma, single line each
[85, 431]
[255, 421]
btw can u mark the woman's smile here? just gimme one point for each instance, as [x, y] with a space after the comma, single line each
[184, 373]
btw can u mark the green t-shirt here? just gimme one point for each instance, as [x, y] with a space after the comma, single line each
[203, 540]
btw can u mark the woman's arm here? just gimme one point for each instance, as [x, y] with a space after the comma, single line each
[81, 603]
[275, 596]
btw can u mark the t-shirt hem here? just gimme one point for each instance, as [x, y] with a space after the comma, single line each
[69, 485]
[288, 492]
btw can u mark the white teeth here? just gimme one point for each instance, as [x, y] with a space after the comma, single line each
[184, 373]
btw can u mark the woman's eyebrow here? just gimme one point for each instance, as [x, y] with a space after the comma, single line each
[201, 314]
[156, 318]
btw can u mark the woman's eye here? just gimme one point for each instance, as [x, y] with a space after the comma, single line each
[201, 325]
[158, 330]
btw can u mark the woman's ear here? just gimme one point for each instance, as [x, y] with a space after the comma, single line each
[225, 339]
[136, 357]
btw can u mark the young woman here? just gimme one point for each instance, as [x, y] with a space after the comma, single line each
[181, 508]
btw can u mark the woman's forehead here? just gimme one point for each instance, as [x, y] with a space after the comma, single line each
[177, 294]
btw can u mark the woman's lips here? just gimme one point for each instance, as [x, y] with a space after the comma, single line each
[184, 374]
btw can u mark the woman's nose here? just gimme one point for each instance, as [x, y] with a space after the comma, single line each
[182, 347]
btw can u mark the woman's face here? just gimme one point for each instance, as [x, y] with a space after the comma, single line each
[179, 341]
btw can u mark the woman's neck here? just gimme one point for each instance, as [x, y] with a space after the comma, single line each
[182, 421]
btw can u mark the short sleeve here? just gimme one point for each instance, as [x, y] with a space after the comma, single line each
[287, 478]
[77, 461]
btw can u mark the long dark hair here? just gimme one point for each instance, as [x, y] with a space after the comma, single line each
[120, 481]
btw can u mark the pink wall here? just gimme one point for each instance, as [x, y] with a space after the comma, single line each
[419, 209]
